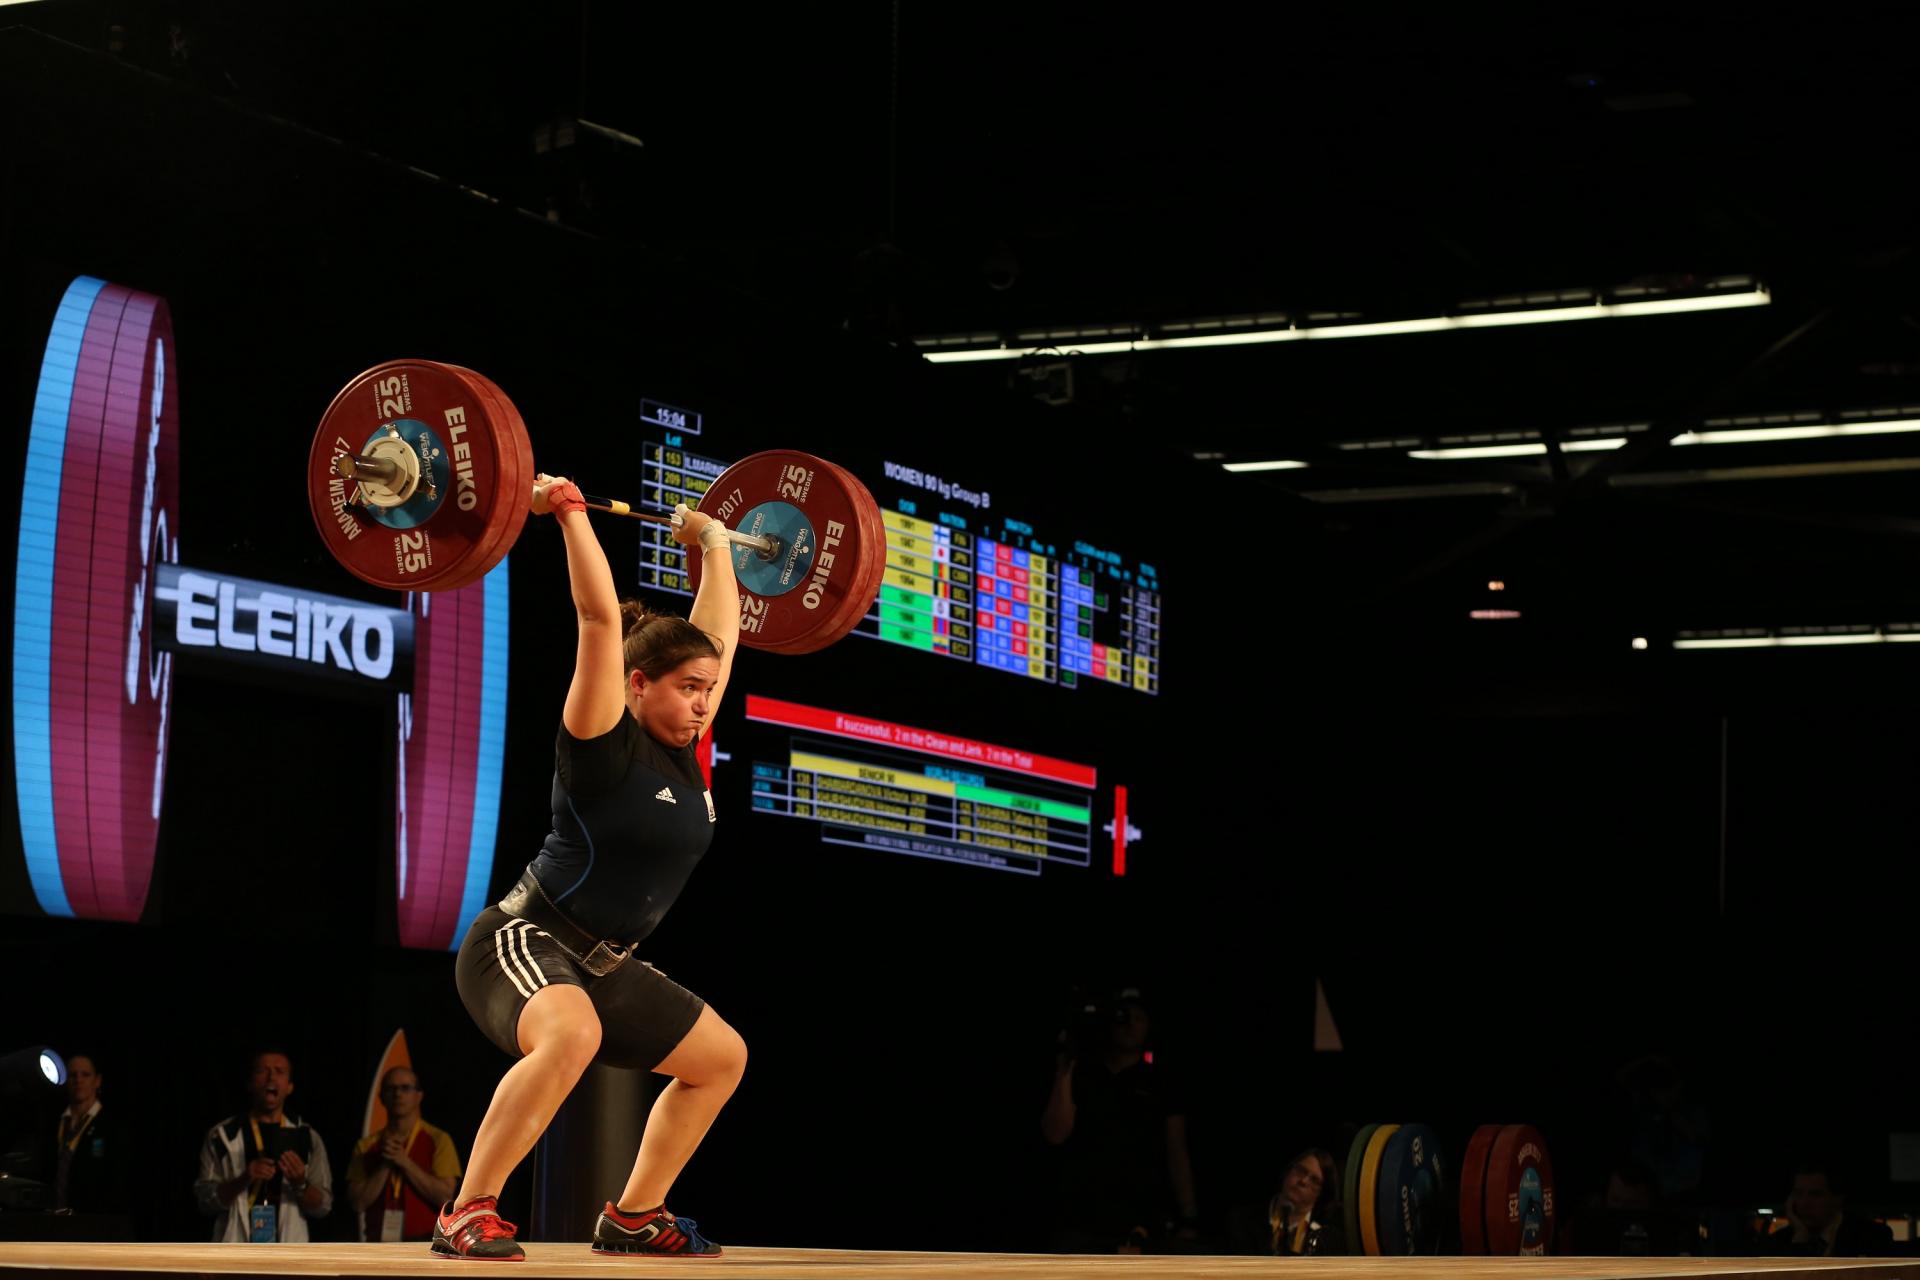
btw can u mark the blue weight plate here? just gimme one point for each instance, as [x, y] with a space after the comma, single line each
[1410, 1193]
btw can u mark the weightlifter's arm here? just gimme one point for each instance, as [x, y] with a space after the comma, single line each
[716, 610]
[594, 700]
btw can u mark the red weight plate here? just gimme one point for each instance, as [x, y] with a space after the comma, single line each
[428, 540]
[866, 584]
[480, 412]
[1519, 1194]
[796, 602]
[508, 505]
[70, 677]
[517, 498]
[439, 734]
[498, 431]
[516, 493]
[106, 690]
[123, 792]
[1473, 1179]
[861, 600]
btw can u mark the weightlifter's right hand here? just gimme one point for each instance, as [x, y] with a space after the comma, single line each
[556, 495]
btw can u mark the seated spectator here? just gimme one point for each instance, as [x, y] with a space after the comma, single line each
[400, 1175]
[264, 1173]
[1299, 1223]
[1818, 1223]
[1629, 1219]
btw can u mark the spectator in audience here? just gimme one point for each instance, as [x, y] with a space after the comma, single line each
[1818, 1223]
[1665, 1130]
[1121, 1137]
[88, 1168]
[400, 1175]
[264, 1173]
[1629, 1219]
[1299, 1221]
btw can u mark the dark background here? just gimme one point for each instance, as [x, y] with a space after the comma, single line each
[1516, 857]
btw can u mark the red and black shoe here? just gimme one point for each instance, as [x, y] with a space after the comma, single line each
[655, 1233]
[474, 1230]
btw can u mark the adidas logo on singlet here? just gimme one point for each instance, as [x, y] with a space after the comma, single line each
[665, 793]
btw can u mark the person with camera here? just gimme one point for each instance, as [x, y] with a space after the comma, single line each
[264, 1173]
[1124, 1183]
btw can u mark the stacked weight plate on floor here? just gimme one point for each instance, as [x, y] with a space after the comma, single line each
[1506, 1193]
[1410, 1190]
[831, 548]
[1394, 1191]
[1350, 1188]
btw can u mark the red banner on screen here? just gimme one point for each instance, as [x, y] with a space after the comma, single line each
[792, 715]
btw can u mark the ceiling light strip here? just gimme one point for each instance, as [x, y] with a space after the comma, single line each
[1756, 297]
[1815, 431]
[1518, 450]
[1796, 641]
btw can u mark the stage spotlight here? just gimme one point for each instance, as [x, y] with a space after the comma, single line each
[30, 1079]
[33, 1070]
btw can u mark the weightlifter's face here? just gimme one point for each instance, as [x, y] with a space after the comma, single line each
[674, 708]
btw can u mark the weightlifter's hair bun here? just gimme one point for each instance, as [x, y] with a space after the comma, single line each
[633, 616]
[656, 643]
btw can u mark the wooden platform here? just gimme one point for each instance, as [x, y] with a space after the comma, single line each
[120, 1261]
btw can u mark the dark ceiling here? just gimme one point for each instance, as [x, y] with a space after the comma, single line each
[1111, 161]
[903, 171]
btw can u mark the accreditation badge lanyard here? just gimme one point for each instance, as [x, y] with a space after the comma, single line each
[395, 1183]
[393, 1217]
[263, 1220]
[73, 1141]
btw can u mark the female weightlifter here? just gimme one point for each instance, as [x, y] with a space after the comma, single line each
[549, 974]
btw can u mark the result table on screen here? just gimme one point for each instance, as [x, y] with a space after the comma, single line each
[669, 474]
[894, 788]
[956, 587]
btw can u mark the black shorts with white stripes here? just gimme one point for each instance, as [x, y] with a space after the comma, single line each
[643, 1014]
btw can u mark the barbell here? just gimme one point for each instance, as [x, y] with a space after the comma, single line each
[421, 478]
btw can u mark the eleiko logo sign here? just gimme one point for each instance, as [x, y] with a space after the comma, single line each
[300, 632]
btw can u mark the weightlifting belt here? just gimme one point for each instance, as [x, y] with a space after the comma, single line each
[528, 901]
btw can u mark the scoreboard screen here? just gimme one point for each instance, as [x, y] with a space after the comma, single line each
[964, 581]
